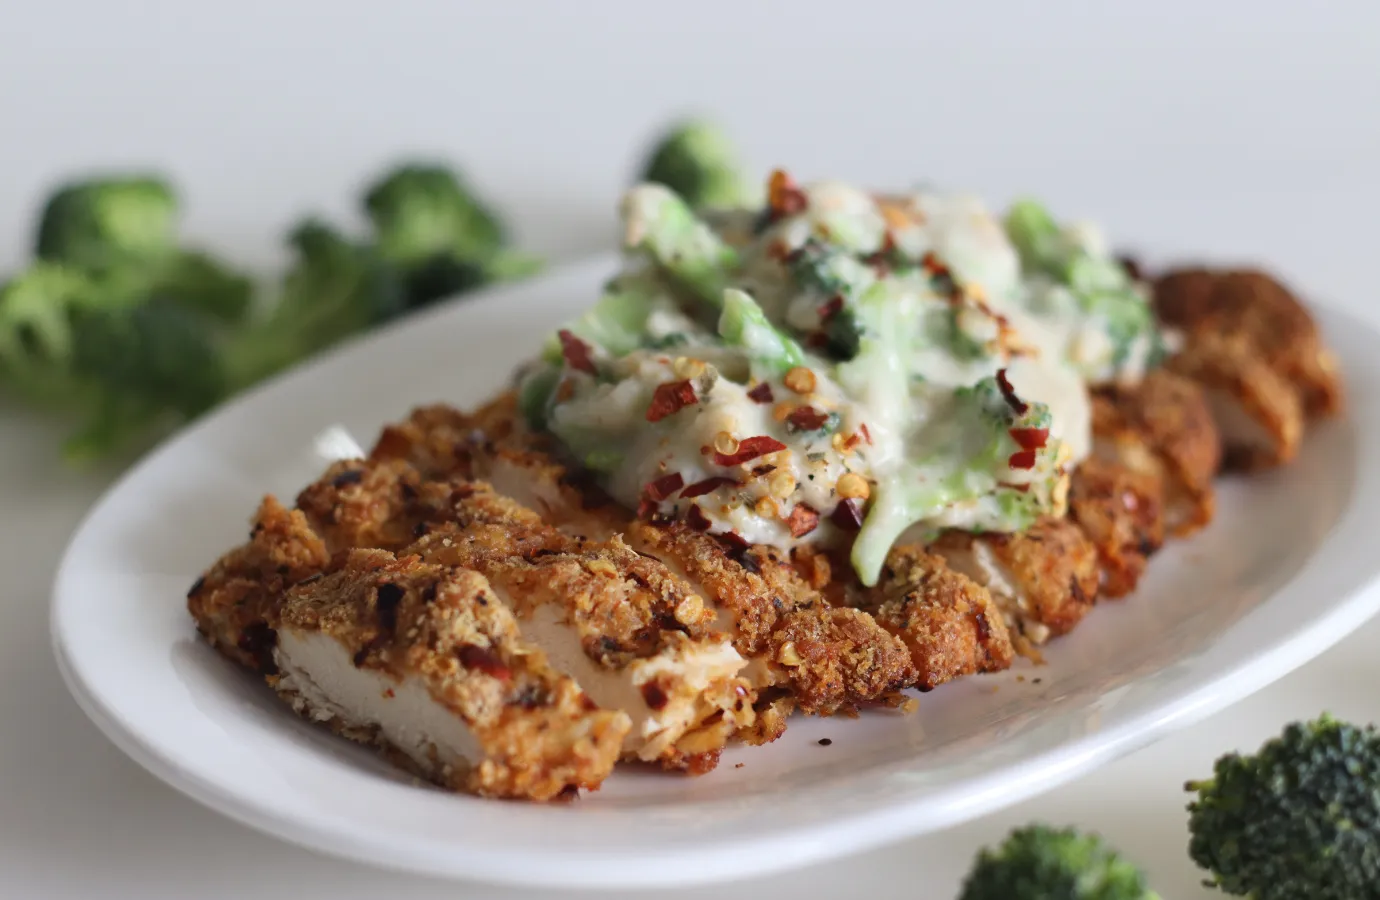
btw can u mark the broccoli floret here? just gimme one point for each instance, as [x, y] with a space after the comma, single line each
[743, 325]
[1106, 292]
[834, 274]
[1038, 862]
[442, 238]
[986, 447]
[1297, 820]
[107, 222]
[335, 289]
[695, 160]
[199, 282]
[659, 224]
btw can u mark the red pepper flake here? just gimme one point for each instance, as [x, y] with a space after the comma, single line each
[761, 393]
[1022, 459]
[1031, 438]
[669, 398]
[654, 696]
[700, 488]
[881, 259]
[748, 450]
[696, 519]
[473, 656]
[784, 196]
[576, 352]
[806, 418]
[735, 541]
[1009, 393]
[848, 514]
[933, 265]
[646, 509]
[831, 308]
[802, 520]
[763, 470]
[867, 435]
[663, 487]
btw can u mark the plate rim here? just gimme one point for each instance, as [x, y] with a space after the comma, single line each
[790, 845]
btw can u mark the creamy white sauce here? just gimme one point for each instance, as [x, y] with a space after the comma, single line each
[321, 672]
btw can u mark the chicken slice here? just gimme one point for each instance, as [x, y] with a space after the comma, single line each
[1163, 428]
[1043, 579]
[635, 637]
[830, 659]
[1271, 319]
[234, 599]
[949, 622]
[1120, 512]
[424, 662]
[846, 661]
[1259, 414]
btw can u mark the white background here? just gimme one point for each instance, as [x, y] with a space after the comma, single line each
[1232, 130]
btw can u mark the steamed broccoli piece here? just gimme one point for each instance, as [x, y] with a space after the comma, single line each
[743, 325]
[1104, 289]
[695, 160]
[834, 273]
[443, 239]
[660, 225]
[1042, 863]
[978, 428]
[103, 223]
[1297, 820]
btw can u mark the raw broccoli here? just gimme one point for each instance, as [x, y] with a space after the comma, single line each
[443, 239]
[107, 222]
[1297, 820]
[1038, 862]
[336, 288]
[695, 160]
[198, 282]
[659, 224]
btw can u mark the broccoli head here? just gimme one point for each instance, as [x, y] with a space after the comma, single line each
[1042, 863]
[106, 222]
[695, 160]
[1297, 820]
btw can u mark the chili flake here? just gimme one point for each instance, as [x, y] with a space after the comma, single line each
[784, 196]
[847, 515]
[1009, 394]
[1022, 459]
[696, 519]
[576, 352]
[670, 398]
[700, 488]
[664, 487]
[761, 393]
[807, 418]
[1031, 438]
[802, 520]
[748, 450]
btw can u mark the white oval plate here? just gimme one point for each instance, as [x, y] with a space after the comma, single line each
[1278, 578]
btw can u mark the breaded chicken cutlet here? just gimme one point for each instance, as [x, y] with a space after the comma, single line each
[1251, 343]
[828, 660]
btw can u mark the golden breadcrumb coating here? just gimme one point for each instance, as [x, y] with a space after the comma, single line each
[1260, 415]
[1044, 579]
[1163, 428]
[234, 599]
[1273, 321]
[949, 623]
[1120, 512]
[538, 735]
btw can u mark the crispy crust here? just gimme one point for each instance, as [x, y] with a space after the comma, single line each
[1120, 512]
[1163, 428]
[1272, 320]
[234, 599]
[948, 622]
[631, 614]
[837, 659]
[1045, 578]
[1259, 413]
[539, 735]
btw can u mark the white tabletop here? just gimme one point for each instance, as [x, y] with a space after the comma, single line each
[1242, 130]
